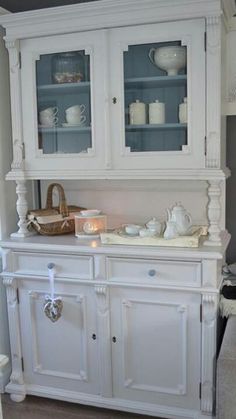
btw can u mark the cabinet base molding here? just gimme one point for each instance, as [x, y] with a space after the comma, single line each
[109, 403]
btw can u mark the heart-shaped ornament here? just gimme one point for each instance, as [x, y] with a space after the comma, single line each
[53, 308]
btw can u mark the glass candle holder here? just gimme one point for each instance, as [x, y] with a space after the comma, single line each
[91, 226]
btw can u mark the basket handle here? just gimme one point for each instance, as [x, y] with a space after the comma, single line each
[63, 209]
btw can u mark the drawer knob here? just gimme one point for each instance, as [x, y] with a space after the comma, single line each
[94, 336]
[51, 265]
[114, 339]
[152, 272]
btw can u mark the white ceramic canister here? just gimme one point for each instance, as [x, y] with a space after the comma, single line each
[183, 111]
[137, 113]
[156, 112]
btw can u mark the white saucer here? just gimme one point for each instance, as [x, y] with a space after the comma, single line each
[123, 233]
[67, 125]
[47, 126]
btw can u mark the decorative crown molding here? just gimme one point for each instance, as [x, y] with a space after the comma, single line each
[104, 14]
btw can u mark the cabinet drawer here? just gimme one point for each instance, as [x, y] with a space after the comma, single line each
[73, 266]
[158, 272]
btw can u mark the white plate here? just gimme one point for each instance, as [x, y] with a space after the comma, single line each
[67, 125]
[90, 213]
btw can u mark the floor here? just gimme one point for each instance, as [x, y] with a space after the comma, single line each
[40, 408]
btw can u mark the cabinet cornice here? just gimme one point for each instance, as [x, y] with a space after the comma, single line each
[105, 14]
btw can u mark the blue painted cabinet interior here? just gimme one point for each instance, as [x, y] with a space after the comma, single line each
[62, 137]
[145, 82]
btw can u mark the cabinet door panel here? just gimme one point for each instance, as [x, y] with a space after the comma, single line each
[65, 82]
[61, 354]
[157, 136]
[156, 356]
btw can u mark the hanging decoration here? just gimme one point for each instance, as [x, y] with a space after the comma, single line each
[52, 306]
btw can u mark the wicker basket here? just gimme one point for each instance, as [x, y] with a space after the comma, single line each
[52, 221]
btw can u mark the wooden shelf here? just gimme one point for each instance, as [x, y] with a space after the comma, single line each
[161, 81]
[62, 88]
[155, 127]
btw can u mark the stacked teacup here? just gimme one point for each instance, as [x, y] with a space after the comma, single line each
[48, 118]
[74, 115]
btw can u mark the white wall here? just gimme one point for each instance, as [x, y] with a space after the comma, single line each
[137, 201]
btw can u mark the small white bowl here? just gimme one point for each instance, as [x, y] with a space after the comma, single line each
[90, 213]
[132, 229]
[145, 232]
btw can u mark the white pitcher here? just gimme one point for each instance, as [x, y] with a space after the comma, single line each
[137, 113]
[156, 112]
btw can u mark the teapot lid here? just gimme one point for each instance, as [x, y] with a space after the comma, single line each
[178, 207]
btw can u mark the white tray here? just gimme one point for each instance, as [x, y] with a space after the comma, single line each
[192, 240]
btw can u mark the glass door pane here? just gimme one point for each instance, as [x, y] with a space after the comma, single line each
[64, 102]
[155, 85]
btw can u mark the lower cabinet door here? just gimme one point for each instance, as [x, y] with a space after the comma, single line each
[60, 354]
[156, 346]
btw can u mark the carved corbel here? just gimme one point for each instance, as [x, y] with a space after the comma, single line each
[18, 155]
[13, 47]
[213, 34]
[102, 298]
[11, 286]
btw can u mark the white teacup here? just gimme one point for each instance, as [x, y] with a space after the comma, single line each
[74, 115]
[48, 120]
[52, 111]
[132, 229]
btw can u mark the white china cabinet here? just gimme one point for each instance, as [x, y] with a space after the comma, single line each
[138, 325]
[98, 58]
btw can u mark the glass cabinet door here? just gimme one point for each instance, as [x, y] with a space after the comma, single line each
[64, 102]
[161, 96]
[63, 77]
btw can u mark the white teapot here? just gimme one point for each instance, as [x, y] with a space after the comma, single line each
[180, 217]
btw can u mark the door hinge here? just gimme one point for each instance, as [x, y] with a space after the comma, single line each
[200, 390]
[17, 296]
[20, 60]
[205, 145]
[205, 41]
[22, 364]
[23, 151]
[200, 313]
